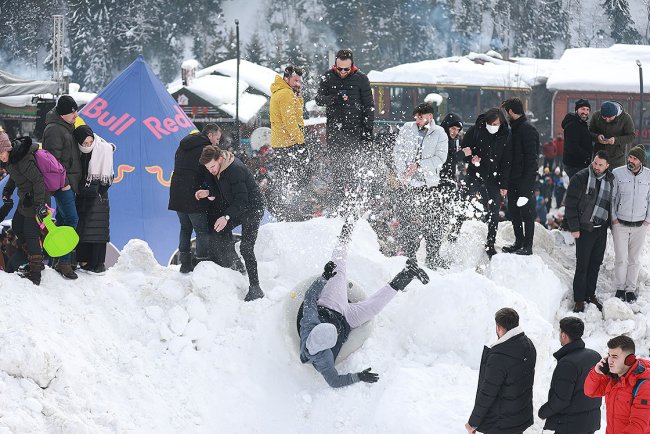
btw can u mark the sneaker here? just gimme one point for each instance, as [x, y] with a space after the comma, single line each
[579, 306]
[630, 297]
[620, 294]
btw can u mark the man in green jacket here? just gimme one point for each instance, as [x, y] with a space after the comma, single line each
[612, 129]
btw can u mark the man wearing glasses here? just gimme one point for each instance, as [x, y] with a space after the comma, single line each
[612, 129]
[345, 92]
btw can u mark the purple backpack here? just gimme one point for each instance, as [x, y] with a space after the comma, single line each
[53, 172]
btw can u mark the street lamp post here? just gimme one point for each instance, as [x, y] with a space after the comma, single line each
[237, 141]
[638, 63]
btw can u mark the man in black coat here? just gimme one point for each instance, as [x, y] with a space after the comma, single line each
[578, 144]
[186, 181]
[345, 92]
[233, 186]
[568, 410]
[504, 398]
[521, 199]
[453, 125]
[589, 226]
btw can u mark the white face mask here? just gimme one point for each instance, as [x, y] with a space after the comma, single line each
[492, 129]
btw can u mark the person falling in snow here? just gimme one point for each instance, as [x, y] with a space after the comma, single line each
[326, 316]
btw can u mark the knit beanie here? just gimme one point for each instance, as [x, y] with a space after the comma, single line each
[582, 103]
[639, 152]
[66, 105]
[608, 109]
[5, 143]
[81, 132]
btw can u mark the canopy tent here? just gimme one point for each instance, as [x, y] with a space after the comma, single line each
[138, 115]
[13, 85]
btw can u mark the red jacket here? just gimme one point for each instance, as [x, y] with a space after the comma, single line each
[623, 415]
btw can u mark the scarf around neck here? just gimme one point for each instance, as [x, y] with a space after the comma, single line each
[100, 166]
[602, 205]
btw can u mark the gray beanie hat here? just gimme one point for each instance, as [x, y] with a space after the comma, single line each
[321, 337]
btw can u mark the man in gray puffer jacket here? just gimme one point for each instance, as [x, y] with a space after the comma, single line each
[630, 220]
[326, 317]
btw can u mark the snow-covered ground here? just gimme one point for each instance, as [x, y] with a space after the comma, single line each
[146, 349]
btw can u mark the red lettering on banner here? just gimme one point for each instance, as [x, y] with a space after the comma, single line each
[97, 110]
[155, 127]
[170, 125]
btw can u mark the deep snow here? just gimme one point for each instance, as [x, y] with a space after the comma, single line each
[147, 349]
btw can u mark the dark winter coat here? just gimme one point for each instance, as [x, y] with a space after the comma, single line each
[59, 141]
[454, 155]
[495, 151]
[622, 129]
[26, 176]
[525, 150]
[504, 398]
[624, 414]
[568, 409]
[578, 144]
[93, 208]
[235, 189]
[349, 123]
[188, 176]
[579, 205]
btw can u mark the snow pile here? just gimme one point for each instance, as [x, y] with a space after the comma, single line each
[611, 69]
[147, 349]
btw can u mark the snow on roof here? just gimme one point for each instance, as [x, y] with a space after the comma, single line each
[259, 77]
[220, 91]
[471, 70]
[610, 69]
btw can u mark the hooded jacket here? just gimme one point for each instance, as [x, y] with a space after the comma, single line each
[504, 397]
[578, 144]
[454, 154]
[235, 186]
[286, 115]
[348, 122]
[495, 151]
[568, 409]
[525, 150]
[429, 152]
[631, 195]
[188, 175]
[624, 415]
[26, 176]
[621, 128]
[579, 205]
[59, 141]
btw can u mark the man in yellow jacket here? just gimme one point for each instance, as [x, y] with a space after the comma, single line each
[291, 159]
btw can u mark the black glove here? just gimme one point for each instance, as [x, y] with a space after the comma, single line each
[329, 272]
[42, 211]
[368, 377]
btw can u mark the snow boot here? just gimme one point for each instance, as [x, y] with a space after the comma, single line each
[254, 292]
[65, 270]
[593, 300]
[33, 271]
[524, 251]
[630, 296]
[406, 276]
[186, 262]
[579, 307]
[620, 294]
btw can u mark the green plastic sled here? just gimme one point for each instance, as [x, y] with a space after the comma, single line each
[60, 240]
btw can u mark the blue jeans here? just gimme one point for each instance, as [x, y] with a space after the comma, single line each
[197, 222]
[66, 213]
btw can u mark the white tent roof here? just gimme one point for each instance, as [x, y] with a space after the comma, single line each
[81, 98]
[13, 85]
[471, 70]
[610, 69]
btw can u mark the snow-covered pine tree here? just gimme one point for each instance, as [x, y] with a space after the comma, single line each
[468, 25]
[622, 25]
[207, 29]
[255, 50]
[551, 28]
